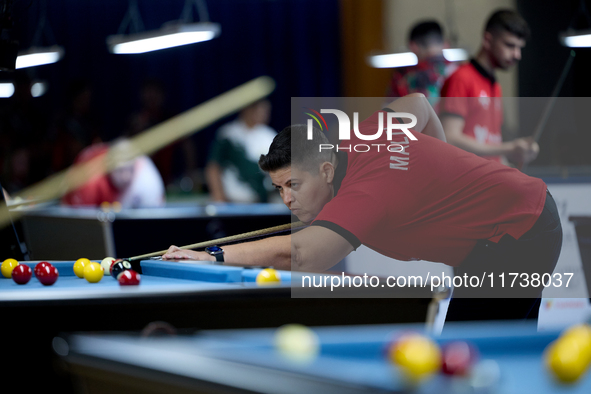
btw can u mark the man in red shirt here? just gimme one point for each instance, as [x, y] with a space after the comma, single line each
[424, 199]
[471, 112]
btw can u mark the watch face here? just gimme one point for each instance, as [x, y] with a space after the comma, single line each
[213, 249]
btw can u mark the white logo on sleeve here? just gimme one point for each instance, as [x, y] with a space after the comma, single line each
[481, 134]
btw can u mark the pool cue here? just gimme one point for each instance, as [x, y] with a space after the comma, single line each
[226, 240]
[550, 104]
[147, 142]
[439, 294]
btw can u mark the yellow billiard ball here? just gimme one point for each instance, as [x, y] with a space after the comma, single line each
[268, 276]
[569, 357]
[93, 272]
[7, 267]
[79, 267]
[417, 356]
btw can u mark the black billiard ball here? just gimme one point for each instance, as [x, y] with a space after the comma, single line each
[119, 267]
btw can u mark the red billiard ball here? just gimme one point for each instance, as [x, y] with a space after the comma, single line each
[129, 278]
[457, 358]
[47, 274]
[39, 267]
[21, 274]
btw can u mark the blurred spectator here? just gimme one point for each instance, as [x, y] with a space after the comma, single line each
[475, 124]
[426, 41]
[151, 113]
[232, 173]
[77, 128]
[134, 184]
[23, 127]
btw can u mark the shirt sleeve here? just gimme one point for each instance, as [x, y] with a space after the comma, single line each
[352, 214]
[454, 97]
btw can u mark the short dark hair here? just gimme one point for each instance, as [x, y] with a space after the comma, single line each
[508, 20]
[426, 33]
[292, 147]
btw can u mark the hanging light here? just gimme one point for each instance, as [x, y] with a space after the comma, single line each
[6, 89]
[406, 59]
[172, 34]
[38, 55]
[577, 38]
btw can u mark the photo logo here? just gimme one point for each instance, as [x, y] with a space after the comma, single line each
[316, 119]
[345, 124]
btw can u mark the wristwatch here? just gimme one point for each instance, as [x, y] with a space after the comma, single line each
[217, 252]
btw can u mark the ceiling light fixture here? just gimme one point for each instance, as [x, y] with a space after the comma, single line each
[406, 59]
[573, 38]
[38, 55]
[172, 34]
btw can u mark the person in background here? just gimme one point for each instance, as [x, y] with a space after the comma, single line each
[133, 183]
[153, 111]
[426, 41]
[77, 128]
[232, 172]
[475, 124]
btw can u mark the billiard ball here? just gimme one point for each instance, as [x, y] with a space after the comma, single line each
[297, 343]
[39, 267]
[485, 377]
[569, 356]
[106, 263]
[21, 274]
[119, 267]
[7, 267]
[268, 276]
[129, 278]
[457, 358]
[111, 266]
[47, 274]
[417, 356]
[93, 272]
[79, 267]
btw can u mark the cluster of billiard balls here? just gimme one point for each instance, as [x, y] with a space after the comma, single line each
[117, 268]
[93, 272]
[46, 273]
[419, 357]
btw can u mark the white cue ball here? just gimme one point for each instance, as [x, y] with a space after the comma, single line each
[297, 343]
[106, 264]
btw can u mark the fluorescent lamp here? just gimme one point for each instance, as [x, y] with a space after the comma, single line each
[389, 60]
[576, 39]
[405, 59]
[37, 56]
[38, 89]
[455, 54]
[167, 37]
[6, 90]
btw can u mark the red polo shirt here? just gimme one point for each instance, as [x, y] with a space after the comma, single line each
[431, 202]
[475, 95]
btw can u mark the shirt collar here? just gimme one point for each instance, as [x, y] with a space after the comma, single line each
[482, 71]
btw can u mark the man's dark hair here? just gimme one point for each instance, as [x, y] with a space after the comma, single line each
[426, 33]
[291, 147]
[508, 20]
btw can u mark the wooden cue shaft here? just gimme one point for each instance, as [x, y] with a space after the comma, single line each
[225, 240]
